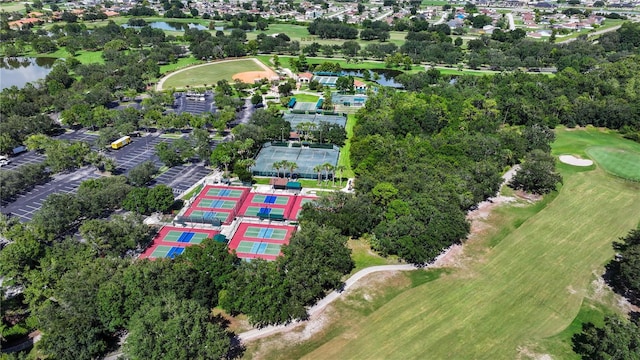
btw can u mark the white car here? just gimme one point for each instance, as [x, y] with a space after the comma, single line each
[4, 161]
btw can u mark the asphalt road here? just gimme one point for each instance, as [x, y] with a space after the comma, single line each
[141, 149]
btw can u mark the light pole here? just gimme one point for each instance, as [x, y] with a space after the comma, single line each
[281, 134]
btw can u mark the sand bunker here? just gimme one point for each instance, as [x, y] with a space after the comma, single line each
[250, 77]
[572, 160]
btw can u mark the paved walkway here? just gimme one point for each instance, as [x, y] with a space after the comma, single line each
[320, 305]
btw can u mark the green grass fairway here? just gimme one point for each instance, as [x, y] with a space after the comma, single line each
[209, 74]
[615, 155]
[623, 163]
[523, 282]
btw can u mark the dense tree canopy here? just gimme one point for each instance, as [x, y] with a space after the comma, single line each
[176, 329]
[624, 270]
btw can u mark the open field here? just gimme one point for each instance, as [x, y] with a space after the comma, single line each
[181, 63]
[12, 6]
[306, 97]
[209, 74]
[520, 281]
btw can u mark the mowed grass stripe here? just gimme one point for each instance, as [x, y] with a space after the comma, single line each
[209, 74]
[520, 295]
[528, 287]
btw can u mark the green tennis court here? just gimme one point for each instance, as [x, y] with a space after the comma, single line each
[270, 199]
[184, 237]
[257, 211]
[265, 233]
[216, 204]
[224, 193]
[253, 247]
[210, 215]
[166, 251]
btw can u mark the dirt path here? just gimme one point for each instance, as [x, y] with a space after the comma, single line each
[161, 81]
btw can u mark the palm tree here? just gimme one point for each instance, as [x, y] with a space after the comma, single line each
[225, 160]
[327, 168]
[285, 166]
[247, 163]
[277, 165]
[340, 169]
[318, 169]
[292, 166]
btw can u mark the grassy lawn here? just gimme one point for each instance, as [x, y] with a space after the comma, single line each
[521, 283]
[306, 98]
[623, 163]
[306, 183]
[12, 6]
[192, 193]
[90, 57]
[455, 71]
[364, 257]
[181, 63]
[433, 2]
[171, 136]
[345, 151]
[620, 158]
[209, 74]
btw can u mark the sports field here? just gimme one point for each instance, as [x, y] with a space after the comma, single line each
[209, 74]
[520, 282]
[253, 241]
[171, 241]
[215, 203]
[268, 206]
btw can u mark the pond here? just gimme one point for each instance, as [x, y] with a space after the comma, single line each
[172, 26]
[386, 76]
[20, 70]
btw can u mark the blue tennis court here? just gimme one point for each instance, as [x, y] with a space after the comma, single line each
[185, 237]
[166, 251]
[175, 251]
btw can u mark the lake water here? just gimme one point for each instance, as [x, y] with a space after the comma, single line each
[386, 77]
[172, 26]
[19, 71]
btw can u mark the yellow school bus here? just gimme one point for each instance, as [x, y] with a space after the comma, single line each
[125, 140]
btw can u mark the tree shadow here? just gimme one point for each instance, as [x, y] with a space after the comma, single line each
[237, 349]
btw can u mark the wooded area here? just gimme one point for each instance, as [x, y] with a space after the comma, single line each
[422, 157]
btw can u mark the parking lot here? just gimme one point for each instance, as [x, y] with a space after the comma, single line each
[26, 205]
[196, 105]
[141, 149]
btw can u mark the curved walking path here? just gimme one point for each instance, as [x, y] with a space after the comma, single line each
[161, 81]
[334, 295]
[320, 305]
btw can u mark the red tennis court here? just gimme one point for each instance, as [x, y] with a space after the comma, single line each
[216, 203]
[258, 241]
[171, 241]
[273, 206]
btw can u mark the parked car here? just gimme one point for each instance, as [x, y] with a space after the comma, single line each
[4, 161]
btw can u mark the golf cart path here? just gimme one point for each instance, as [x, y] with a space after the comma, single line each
[320, 305]
[161, 82]
[334, 295]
